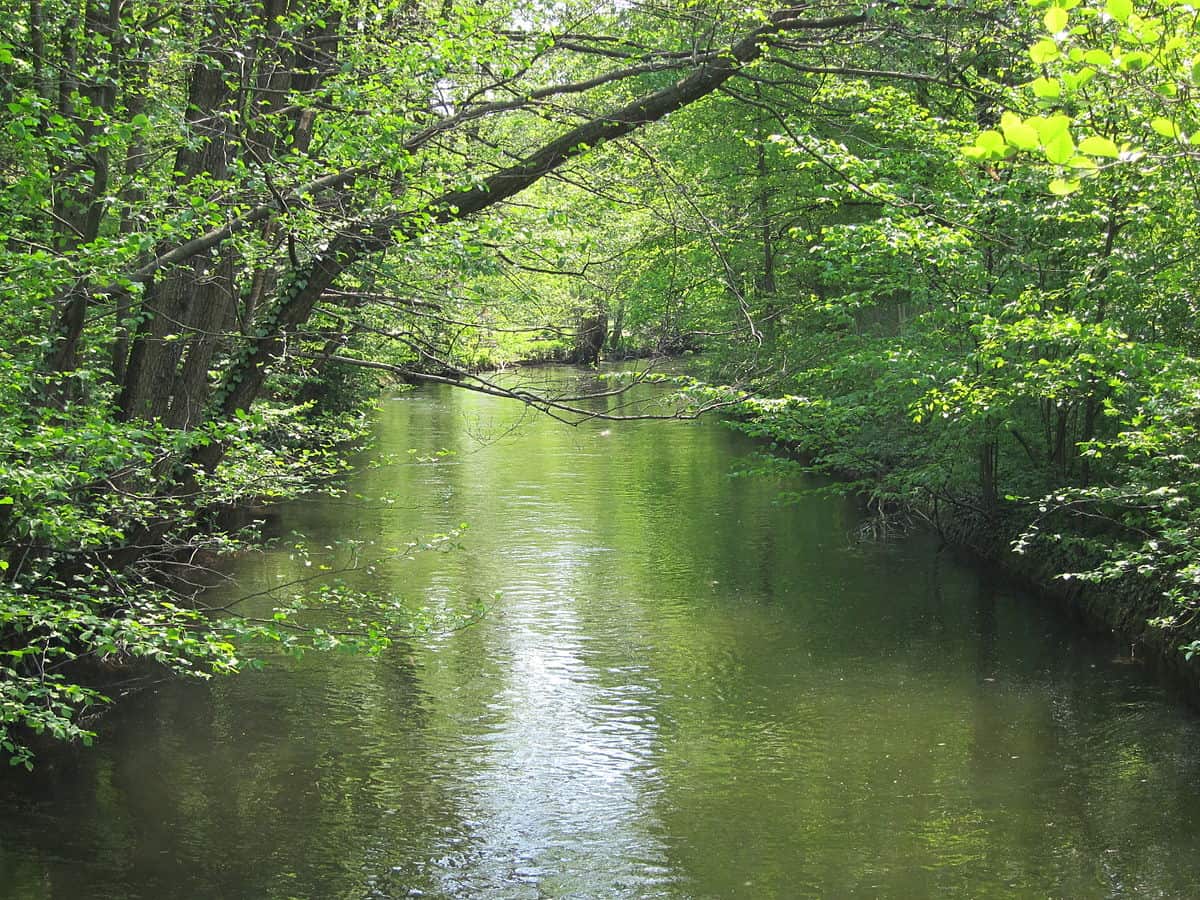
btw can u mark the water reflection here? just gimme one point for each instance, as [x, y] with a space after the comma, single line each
[684, 691]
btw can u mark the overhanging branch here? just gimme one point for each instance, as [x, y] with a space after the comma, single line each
[564, 409]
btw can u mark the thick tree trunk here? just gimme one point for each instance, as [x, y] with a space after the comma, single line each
[589, 339]
[184, 312]
[766, 284]
[79, 203]
[989, 459]
[136, 158]
[195, 310]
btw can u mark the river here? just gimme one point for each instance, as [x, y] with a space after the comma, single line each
[683, 689]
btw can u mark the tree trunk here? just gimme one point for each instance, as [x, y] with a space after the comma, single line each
[989, 455]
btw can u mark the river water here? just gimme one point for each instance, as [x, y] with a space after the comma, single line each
[683, 690]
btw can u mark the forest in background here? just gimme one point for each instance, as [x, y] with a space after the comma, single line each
[941, 250]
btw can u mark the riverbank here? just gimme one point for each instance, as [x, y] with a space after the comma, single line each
[1122, 607]
[899, 481]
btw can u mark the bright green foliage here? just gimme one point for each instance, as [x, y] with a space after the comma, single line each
[76, 489]
[1056, 360]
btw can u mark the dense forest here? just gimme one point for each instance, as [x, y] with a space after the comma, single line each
[940, 250]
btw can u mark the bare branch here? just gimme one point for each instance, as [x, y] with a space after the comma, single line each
[564, 410]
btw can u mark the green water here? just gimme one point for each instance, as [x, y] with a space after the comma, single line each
[683, 691]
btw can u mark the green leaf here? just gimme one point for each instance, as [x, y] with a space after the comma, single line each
[1055, 133]
[1095, 145]
[1061, 186]
[1097, 58]
[1119, 9]
[1046, 88]
[1019, 134]
[1165, 127]
[1043, 52]
[1059, 148]
[1075, 80]
[1134, 62]
[992, 143]
[1055, 19]
[1049, 127]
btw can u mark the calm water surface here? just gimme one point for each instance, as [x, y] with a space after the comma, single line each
[683, 691]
